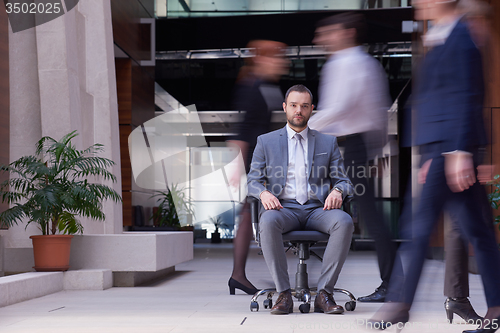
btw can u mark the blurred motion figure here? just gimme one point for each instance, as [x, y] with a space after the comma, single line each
[353, 104]
[456, 284]
[449, 132]
[258, 94]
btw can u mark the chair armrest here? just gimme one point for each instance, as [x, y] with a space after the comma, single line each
[254, 209]
[253, 204]
[254, 212]
[346, 204]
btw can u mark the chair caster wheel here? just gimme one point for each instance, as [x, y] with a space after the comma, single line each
[350, 306]
[268, 303]
[305, 308]
[254, 306]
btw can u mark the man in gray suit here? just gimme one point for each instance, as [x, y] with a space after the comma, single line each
[298, 175]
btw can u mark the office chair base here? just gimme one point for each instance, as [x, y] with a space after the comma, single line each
[303, 295]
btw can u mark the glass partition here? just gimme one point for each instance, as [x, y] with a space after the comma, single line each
[197, 8]
[215, 201]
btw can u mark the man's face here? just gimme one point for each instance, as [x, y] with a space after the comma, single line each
[298, 108]
[334, 37]
[273, 67]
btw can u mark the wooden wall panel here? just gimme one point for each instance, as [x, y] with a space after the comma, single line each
[127, 31]
[124, 89]
[4, 94]
[127, 208]
[125, 131]
[135, 83]
[143, 95]
[124, 92]
[493, 63]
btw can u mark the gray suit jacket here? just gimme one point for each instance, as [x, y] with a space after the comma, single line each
[270, 164]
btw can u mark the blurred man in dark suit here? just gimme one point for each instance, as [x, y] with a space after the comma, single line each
[449, 132]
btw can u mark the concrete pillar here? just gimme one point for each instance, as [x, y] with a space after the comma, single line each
[78, 88]
[101, 84]
[25, 118]
[62, 78]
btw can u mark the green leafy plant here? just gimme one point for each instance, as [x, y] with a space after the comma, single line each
[51, 188]
[494, 196]
[218, 223]
[172, 205]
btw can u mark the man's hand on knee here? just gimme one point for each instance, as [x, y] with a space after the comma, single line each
[333, 201]
[269, 201]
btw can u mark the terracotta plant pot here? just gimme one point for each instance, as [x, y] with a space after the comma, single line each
[51, 252]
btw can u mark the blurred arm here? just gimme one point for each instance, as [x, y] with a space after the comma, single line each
[337, 170]
[256, 177]
[469, 89]
[354, 91]
[242, 146]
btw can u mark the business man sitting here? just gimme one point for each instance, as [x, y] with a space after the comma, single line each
[298, 175]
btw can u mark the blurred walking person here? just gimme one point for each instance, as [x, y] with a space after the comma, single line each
[258, 94]
[456, 279]
[449, 132]
[353, 105]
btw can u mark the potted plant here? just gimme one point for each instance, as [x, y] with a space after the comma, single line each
[218, 223]
[51, 189]
[172, 206]
[494, 197]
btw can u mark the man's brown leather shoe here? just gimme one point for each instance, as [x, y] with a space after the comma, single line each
[324, 302]
[284, 303]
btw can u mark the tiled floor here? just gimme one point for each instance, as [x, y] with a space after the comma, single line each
[196, 299]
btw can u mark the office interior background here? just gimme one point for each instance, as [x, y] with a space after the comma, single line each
[108, 66]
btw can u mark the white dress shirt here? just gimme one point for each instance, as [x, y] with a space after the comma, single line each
[288, 192]
[439, 33]
[353, 95]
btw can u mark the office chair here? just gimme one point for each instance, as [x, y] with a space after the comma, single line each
[300, 242]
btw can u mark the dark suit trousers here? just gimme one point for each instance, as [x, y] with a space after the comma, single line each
[310, 216]
[456, 276]
[456, 246]
[355, 158]
[473, 224]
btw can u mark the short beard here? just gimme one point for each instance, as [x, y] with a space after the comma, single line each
[297, 123]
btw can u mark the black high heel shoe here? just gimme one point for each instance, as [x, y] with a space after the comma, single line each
[491, 327]
[233, 284]
[462, 307]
